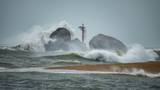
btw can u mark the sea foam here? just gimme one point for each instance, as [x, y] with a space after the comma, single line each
[39, 36]
[136, 53]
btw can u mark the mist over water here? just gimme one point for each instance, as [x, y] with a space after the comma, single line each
[37, 58]
[27, 69]
[39, 36]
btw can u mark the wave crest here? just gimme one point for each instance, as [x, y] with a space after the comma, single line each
[137, 53]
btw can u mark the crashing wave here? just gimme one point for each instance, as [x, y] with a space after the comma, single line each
[137, 53]
[37, 39]
[61, 37]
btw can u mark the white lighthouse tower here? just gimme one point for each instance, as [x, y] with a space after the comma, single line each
[83, 29]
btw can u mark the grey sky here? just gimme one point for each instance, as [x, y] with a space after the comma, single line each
[132, 21]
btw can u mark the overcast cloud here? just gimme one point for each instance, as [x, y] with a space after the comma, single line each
[131, 21]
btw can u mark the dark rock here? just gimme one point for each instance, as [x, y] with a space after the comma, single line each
[62, 34]
[62, 41]
[158, 53]
[101, 41]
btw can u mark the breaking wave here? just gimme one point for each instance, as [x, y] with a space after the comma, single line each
[39, 36]
[136, 53]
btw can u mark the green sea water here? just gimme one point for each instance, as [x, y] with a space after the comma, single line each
[16, 74]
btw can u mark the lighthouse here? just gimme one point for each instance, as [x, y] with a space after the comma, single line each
[82, 27]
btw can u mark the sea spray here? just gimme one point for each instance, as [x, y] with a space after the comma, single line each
[37, 37]
[102, 55]
[35, 40]
[136, 53]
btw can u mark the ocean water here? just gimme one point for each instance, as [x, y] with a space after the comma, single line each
[23, 70]
[50, 81]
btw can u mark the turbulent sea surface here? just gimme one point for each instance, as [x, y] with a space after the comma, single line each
[30, 66]
[21, 70]
[50, 81]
